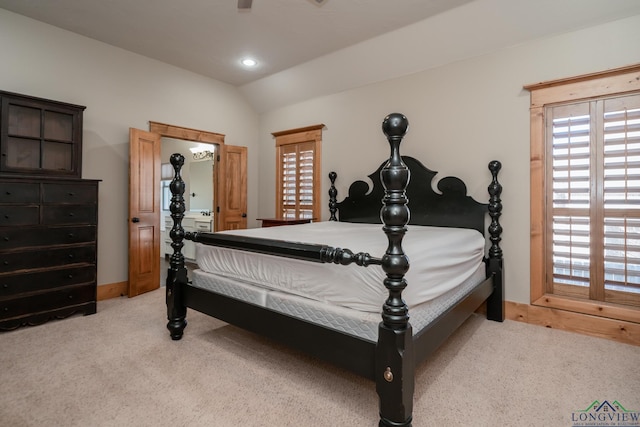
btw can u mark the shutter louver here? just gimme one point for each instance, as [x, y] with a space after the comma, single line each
[571, 193]
[297, 180]
[621, 123]
[595, 191]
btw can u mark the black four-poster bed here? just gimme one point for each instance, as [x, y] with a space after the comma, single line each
[391, 357]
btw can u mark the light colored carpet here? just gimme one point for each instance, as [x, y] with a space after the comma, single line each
[120, 368]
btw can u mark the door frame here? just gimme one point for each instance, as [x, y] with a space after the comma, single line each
[195, 135]
[188, 134]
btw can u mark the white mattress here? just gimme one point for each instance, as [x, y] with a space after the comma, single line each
[440, 260]
[353, 322]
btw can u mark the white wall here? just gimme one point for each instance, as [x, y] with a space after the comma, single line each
[461, 116]
[121, 90]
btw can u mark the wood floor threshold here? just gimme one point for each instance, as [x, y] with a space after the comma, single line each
[112, 290]
[586, 324]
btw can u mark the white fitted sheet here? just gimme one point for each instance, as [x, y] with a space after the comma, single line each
[440, 260]
[353, 322]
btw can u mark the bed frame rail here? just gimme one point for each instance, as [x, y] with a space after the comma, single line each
[286, 249]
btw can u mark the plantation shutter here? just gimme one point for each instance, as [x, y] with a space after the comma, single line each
[621, 193]
[594, 222]
[298, 171]
[297, 180]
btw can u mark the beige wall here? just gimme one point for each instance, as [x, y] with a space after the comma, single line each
[461, 116]
[121, 90]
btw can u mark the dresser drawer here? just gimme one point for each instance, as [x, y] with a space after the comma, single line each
[13, 237]
[50, 258]
[19, 215]
[69, 193]
[69, 214]
[47, 301]
[19, 192]
[203, 225]
[14, 284]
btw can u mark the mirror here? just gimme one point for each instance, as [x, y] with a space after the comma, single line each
[201, 185]
[197, 173]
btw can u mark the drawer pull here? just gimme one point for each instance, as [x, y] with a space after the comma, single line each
[6, 216]
[71, 235]
[71, 194]
[71, 214]
[70, 276]
[70, 296]
[6, 239]
[6, 263]
[8, 193]
[71, 256]
[5, 286]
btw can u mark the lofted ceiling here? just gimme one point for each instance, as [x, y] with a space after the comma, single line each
[305, 49]
[210, 37]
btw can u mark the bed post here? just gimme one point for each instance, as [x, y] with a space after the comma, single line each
[495, 303]
[395, 366]
[177, 274]
[333, 196]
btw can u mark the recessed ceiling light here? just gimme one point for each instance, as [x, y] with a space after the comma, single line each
[249, 62]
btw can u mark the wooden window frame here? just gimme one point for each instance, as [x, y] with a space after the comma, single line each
[614, 82]
[302, 135]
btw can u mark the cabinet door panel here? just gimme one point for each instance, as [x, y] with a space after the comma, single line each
[57, 156]
[23, 121]
[58, 126]
[22, 153]
[40, 136]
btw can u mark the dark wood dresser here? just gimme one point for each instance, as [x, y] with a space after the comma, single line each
[48, 231]
[48, 214]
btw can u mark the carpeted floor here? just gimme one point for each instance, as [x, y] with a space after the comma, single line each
[120, 368]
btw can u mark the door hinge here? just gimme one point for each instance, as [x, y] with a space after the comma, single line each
[217, 209]
[218, 158]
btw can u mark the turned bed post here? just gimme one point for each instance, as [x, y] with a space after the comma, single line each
[177, 274]
[495, 267]
[333, 197]
[395, 366]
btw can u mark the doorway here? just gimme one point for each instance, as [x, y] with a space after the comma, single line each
[198, 173]
[144, 183]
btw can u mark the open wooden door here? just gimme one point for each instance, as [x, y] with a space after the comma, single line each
[231, 211]
[144, 211]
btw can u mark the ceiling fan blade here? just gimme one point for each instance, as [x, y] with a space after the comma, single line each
[244, 4]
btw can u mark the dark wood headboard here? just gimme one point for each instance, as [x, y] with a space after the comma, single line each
[449, 207]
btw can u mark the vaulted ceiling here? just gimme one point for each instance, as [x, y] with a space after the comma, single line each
[309, 47]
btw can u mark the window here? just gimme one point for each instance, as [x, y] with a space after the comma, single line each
[585, 168]
[166, 175]
[298, 173]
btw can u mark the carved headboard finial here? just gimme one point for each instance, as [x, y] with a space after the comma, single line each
[395, 125]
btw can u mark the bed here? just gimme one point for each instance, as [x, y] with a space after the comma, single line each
[283, 282]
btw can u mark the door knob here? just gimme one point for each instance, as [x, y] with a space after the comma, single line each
[135, 219]
[244, 214]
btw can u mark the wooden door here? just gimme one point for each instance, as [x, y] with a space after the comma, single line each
[144, 211]
[231, 211]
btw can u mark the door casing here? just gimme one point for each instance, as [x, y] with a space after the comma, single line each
[195, 135]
